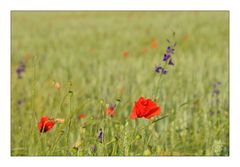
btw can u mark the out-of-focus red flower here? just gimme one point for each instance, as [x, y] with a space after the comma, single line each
[154, 44]
[81, 116]
[110, 110]
[46, 124]
[125, 54]
[145, 108]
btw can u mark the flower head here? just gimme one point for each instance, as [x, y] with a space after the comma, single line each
[170, 50]
[145, 108]
[46, 124]
[170, 62]
[164, 71]
[158, 69]
[166, 56]
[216, 84]
[111, 110]
[81, 116]
[100, 136]
[20, 69]
[154, 44]
[216, 91]
[215, 88]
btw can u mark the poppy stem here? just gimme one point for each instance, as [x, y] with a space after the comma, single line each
[154, 122]
[159, 119]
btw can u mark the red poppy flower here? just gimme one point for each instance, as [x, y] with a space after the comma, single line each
[145, 108]
[46, 124]
[110, 110]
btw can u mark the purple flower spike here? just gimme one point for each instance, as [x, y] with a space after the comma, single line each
[171, 62]
[100, 136]
[158, 69]
[166, 57]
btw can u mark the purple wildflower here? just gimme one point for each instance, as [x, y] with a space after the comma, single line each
[100, 136]
[216, 84]
[171, 62]
[158, 69]
[164, 71]
[20, 69]
[170, 50]
[166, 57]
[216, 91]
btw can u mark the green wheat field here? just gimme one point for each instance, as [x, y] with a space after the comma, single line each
[73, 66]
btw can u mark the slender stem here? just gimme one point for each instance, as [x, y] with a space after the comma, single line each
[70, 121]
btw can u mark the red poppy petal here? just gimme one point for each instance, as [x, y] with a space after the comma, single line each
[134, 113]
[151, 104]
[152, 112]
